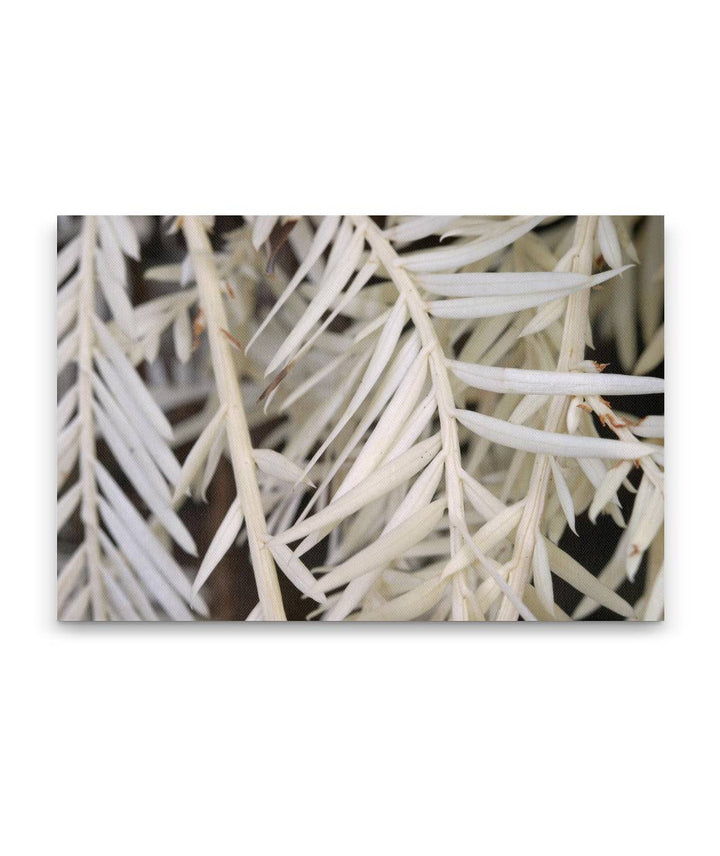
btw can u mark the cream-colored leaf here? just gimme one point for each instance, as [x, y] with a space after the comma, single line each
[546, 315]
[609, 243]
[500, 304]
[110, 248]
[67, 503]
[385, 389]
[508, 284]
[69, 575]
[199, 452]
[279, 467]
[67, 350]
[646, 519]
[118, 599]
[132, 439]
[417, 228]
[386, 548]
[531, 381]
[68, 437]
[295, 570]
[164, 273]
[67, 259]
[65, 316]
[541, 574]
[182, 336]
[143, 535]
[465, 252]
[489, 567]
[334, 281]
[262, 227]
[143, 485]
[155, 582]
[394, 417]
[222, 541]
[126, 578]
[414, 426]
[381, 355]
[132, 380]
[563, 494]
[126, 235]
[374, 486]
[650, 426]
[322, 238]
[66, 407]
[76, 610]
[117, 299]
[547, 442]
[607, 491]
[492, 533]
[408, 606]
[481, 498]
[418, 497]
[581, 579]
[653, 354]
[211, 464]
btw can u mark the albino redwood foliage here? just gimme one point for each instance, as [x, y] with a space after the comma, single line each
[412, 399]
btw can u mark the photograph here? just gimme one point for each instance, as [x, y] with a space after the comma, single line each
[367, 541]
[360, 418]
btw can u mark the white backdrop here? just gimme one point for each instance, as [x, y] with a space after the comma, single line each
[431, 739]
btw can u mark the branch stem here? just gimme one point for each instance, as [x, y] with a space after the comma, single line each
[238, 434]
[392, 262]
[89, 504]
[572, 350]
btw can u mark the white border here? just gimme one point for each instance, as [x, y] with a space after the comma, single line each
[592, 739]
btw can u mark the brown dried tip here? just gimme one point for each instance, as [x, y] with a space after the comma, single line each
[229, 290]
[198, 328]
[585, 407]
[233, 341]
[279, 377]
[278, 238]
[199, 322]
[600, 366]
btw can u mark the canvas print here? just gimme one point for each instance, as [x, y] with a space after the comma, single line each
[360, 418]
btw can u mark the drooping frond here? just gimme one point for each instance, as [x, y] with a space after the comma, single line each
[122, 567]
[475, 345]
[408, 407]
